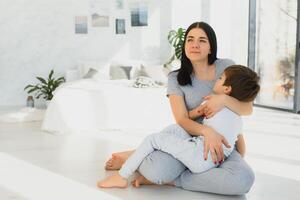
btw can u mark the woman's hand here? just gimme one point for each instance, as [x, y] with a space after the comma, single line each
[213, 143]
[213, 104]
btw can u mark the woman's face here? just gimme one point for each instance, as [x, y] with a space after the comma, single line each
[197, 45]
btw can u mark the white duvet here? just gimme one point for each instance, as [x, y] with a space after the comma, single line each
[89, 105]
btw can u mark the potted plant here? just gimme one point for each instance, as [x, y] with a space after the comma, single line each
[46, 87]
[176, 39]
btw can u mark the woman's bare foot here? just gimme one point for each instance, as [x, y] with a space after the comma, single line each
[117, 160]
[114, 181]
[141, 180]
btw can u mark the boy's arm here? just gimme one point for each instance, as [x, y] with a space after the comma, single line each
[241, 145]
[215, 103]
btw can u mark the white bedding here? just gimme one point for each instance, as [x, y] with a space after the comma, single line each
[25, 114]
[88, 106]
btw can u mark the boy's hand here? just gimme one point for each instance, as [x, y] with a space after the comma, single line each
[213, 104]
[200, 109]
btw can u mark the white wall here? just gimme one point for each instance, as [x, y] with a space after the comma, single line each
[38, 35]
[229, 18]
[185, 13]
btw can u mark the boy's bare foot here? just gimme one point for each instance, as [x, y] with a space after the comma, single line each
[114, 181]
[141, 180]
[117, 160]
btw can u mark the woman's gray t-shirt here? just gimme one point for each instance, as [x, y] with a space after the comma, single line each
[193, 94]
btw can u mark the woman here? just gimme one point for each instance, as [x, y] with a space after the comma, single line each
[187, 88]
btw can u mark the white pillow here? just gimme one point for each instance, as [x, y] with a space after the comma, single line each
[93, 69]
[92, 72]
[134, 64]
[138, 71]
[72, 75]
[119, 72]
[101, 75]
[156, 72]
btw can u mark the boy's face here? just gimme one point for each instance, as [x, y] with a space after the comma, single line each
[219, 87]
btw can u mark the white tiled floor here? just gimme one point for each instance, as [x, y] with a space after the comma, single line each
[38, 165]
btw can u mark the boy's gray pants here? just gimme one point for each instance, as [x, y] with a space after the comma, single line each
[175, 141]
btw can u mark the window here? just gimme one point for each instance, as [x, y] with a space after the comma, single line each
[275, 52]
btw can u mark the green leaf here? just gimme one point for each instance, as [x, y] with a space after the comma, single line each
[32, 90]
[45, 91]
[178, 53]
[28, 86]
[50, 83]
[39, 95]
[171, 35]
[42, 80]
[61, 79]
[50, 97]
[176, 39]
[51, 73]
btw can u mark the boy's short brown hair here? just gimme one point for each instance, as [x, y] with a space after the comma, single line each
[243, 81]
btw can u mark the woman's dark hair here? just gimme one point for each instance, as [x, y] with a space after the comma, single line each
[186, 69]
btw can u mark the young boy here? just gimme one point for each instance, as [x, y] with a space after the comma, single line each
[237, 81]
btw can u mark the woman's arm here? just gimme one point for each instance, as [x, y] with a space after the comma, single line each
[241, 145]
[182, 118]
[239, 107]
[213, 141]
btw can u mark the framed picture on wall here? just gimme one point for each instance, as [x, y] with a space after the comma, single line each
[139, 14]
[100, 21]
[119, 4]
[120, 26]
[81, 25]
[100, 12]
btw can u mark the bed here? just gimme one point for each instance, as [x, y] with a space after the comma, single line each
[89, 105]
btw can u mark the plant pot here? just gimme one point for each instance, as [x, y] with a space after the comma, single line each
[47, 103]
